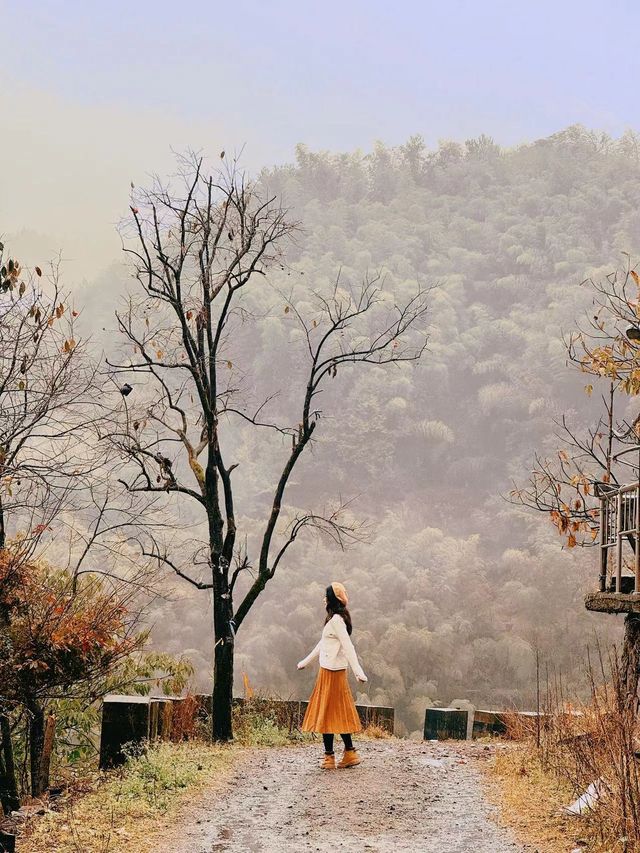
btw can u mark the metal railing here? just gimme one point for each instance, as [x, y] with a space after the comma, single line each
[619, 536]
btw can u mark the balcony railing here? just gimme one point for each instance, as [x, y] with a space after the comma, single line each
[619, 538]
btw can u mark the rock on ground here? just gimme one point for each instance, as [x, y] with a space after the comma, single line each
[405, 796]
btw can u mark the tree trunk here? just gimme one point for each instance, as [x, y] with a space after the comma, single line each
[36, 746]
[8, 784]
[631, 660]
[9, 798]
[7, 842]
[222, 699]
[223, 691]
[47, 749]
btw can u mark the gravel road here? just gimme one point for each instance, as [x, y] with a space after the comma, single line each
[405, 796]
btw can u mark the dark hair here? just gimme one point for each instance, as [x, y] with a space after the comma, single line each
[336, 608]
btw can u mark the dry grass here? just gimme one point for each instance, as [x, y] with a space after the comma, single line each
[529, 800]
[573, 746]
[374, 732]
[128, 811]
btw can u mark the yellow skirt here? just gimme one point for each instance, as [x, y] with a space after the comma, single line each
[331, 708]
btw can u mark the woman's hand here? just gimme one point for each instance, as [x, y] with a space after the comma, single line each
[362, 678]
[300, 665]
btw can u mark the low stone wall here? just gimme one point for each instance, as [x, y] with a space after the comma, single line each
[133, 719]
[488, 723]
[458, 723]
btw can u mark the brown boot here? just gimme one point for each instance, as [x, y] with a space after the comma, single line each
[349, 759]
[329, 762]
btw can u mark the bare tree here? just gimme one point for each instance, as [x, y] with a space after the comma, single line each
[196, 248]
[44, 388]
[57, 502]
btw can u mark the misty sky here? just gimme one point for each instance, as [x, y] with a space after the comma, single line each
[96, 94]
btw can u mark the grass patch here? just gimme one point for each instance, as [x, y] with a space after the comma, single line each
[529, 800]
[264, 722]
[126, 810]
[128, 807]
[256, 730]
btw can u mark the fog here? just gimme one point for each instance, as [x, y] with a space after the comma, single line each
[457, 588]
[95, 97]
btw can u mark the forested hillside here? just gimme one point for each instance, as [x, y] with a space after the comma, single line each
[456, 587]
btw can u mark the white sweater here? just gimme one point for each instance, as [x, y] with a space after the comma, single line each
[335, 649]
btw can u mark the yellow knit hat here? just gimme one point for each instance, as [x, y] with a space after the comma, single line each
[340, 593]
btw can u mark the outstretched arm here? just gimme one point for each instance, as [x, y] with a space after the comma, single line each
[311, 656]
[347, 646]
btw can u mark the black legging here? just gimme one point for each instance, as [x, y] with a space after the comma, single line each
[328, 743]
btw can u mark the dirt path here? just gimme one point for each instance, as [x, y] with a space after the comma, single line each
[405, 796]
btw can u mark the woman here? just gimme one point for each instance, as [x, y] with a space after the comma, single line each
[331, 708]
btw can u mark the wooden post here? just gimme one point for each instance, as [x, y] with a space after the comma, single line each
[619, 544]
[636, 588]
[538, 697]
[604, 551]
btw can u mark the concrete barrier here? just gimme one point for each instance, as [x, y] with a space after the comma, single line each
[495, 722]
[459, 722]
[134, 719]
[445, 724]
[125, 719]
[488, 723]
